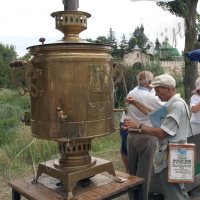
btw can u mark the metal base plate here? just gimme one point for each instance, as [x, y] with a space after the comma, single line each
[70, 178]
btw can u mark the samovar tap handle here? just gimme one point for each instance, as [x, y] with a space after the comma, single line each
[61, 115]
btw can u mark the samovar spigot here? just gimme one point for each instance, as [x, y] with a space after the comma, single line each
[61, 115]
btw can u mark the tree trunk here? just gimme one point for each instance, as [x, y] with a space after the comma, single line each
[191, 72]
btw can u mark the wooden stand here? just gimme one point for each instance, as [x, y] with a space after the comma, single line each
[101, 186]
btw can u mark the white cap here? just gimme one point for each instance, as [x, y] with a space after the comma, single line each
[163, 80]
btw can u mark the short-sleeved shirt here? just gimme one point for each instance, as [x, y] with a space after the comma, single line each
[144, 96]
[195, 99]
[176, 124]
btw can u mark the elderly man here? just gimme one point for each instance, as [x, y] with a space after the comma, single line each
[174, 128]
[141, 146]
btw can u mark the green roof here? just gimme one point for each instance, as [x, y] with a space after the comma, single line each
[166, 47]
[175, 52]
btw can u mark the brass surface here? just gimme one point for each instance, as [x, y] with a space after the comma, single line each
[70, 178]
[66, 168]
[77, 79]
[27, 118]
[74, 153]
[71, 23]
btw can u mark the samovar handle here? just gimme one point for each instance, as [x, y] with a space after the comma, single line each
[18, 63]
[117, 67]
[30, 72]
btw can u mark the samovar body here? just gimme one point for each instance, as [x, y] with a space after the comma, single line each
[76, 98]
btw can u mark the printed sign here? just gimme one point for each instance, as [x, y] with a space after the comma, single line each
[181, 163]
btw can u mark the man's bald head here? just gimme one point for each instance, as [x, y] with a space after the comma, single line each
[144, 78]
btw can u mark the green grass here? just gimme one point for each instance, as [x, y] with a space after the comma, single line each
[181, 91]
[15, 153]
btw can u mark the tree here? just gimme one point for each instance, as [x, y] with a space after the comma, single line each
[90, 40]
[112, 41]
[187, 10]
[123, 46]
[103, 39]
[25, 57]
[138, 37]
[7, 54]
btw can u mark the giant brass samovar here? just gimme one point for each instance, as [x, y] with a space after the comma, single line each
[71, 89]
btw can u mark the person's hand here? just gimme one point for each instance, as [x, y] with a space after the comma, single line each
[131, 100]
[130, 123]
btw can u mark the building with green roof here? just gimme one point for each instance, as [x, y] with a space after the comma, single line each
[167, 51]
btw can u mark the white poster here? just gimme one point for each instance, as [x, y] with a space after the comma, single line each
[182, 164]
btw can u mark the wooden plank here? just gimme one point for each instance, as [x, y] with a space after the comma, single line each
[81, 197]
[93, 195]
[126, 176]
[102, 191]
[123, 174]
[121, 186]
[33, 191]
[95, 182]
[128, 184]
[136, 180]
[112, 188]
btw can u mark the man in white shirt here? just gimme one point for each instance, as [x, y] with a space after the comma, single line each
[141, 146]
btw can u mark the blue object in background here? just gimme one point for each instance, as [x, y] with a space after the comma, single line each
[194, 55]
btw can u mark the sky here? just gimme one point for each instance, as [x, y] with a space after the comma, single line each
[23, 22]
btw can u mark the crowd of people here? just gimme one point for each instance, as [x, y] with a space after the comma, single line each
[144, 147]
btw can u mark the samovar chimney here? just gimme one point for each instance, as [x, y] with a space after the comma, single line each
[71, 5]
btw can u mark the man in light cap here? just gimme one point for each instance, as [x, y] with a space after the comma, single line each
[174, 128]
